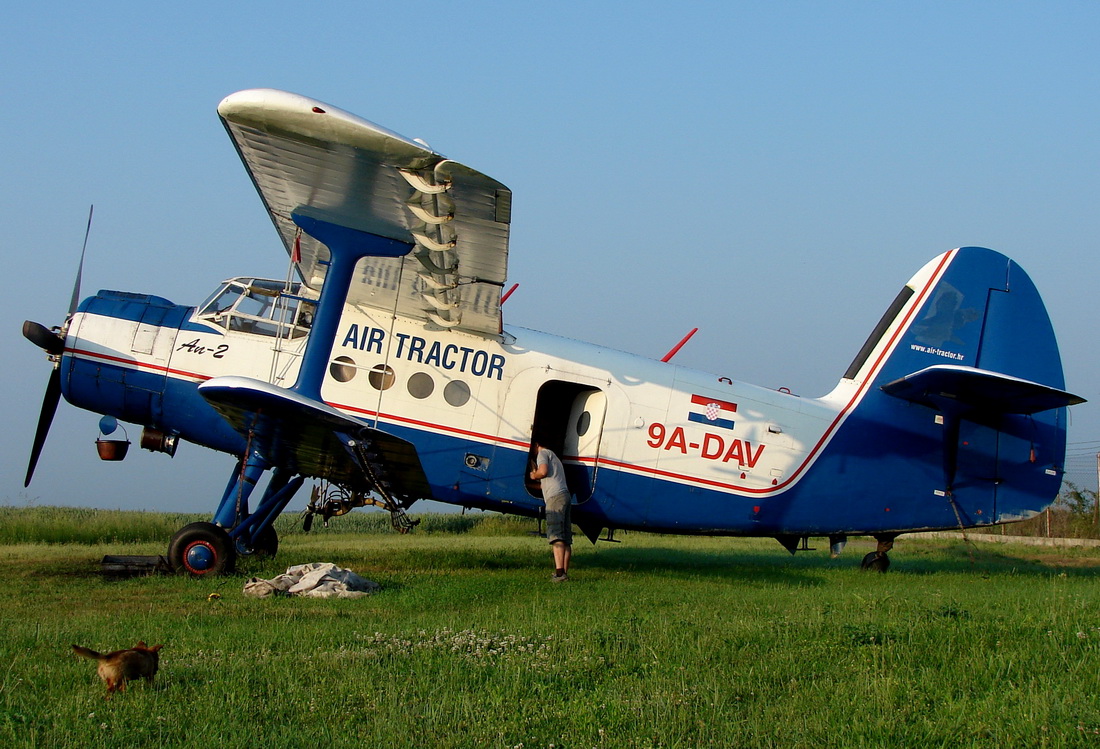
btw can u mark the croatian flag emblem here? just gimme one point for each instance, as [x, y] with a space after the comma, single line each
[711, 411]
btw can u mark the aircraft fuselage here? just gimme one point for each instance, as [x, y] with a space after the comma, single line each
[648, 445]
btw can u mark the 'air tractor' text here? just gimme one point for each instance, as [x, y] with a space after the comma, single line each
[416, 349]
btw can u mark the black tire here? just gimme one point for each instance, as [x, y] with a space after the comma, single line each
[875, 562]
[266, 545]
[202, 549]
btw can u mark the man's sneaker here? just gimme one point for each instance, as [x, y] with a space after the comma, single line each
[559, 578]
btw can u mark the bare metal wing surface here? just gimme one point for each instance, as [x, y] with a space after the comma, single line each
[312, 159]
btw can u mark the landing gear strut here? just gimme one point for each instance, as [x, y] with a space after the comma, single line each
[877, 560]
[202, 549]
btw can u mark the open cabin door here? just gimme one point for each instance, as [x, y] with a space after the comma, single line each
[569, 418]
[582, 441]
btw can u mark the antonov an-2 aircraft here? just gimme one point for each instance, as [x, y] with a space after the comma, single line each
[385, 375]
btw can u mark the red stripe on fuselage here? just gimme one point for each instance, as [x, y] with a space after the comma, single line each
[137, 364]
[656, 472]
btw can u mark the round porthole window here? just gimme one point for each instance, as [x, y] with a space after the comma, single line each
[583, 422]
[381, 377]
[456, 393]
[421, 385]
[342, 368]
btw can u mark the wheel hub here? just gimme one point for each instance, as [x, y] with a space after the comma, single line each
[199, 557]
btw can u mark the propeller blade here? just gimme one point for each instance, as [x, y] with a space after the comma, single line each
[49, 408]
[53, 343]
[80, 268]
[43, 337]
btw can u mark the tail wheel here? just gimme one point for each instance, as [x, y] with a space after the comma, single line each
[202, 549]
[875, 562]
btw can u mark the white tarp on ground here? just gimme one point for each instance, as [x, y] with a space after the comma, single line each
[314, 580]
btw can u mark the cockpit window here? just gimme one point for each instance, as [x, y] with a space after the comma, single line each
[260, 307]
[221, 300]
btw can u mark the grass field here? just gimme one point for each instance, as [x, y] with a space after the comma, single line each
[657, 641]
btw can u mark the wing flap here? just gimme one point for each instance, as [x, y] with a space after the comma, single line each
[311, 438]
[950, 387]
[303, 154]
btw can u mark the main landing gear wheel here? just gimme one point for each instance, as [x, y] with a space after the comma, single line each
[266, 545]
[202, 549]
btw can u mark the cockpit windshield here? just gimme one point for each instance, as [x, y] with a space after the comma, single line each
[259, 306]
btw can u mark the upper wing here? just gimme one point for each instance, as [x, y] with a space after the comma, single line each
[303, 154]
[313, 439]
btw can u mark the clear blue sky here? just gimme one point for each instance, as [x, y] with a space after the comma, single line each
[771, 172]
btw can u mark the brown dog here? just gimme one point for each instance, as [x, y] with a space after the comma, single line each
[121, 666]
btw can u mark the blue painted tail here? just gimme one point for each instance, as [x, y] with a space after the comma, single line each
[960, 397]
[972, 307]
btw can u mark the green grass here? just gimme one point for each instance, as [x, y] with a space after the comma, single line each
[41, 524]
[657, 641]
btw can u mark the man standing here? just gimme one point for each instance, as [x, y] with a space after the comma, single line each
[555, 494]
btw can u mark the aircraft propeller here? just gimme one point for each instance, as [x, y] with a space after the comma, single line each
[53, 343]
[48, 340]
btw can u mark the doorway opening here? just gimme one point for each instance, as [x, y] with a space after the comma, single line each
[569, 420]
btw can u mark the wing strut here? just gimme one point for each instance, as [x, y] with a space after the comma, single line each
[346, 247]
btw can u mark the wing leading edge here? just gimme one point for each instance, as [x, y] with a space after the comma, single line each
[308, 157]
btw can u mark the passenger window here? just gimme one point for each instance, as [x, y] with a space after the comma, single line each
[342, 369]
[421, 385]
[583, 422]
[381, 377]
[457, 393]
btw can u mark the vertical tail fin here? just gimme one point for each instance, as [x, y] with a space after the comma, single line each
[966, 357]
[971, 307]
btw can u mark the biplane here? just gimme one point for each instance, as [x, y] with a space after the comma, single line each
[381, 371]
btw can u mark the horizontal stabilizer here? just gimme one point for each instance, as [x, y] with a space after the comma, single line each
[310, 437]
[948, 387]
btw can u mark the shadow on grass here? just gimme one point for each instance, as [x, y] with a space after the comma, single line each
[454, 558]
[742, 560]
[734, 565]
[989, 559]
[918, 558]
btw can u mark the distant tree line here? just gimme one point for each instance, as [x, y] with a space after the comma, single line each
[1073, 515]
